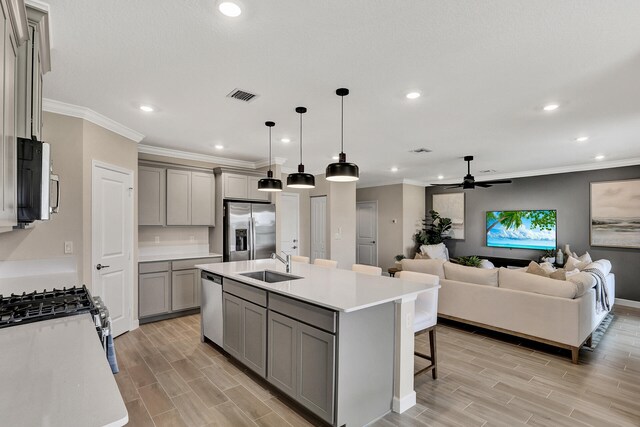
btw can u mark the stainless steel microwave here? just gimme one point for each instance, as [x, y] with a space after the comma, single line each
[35, 182]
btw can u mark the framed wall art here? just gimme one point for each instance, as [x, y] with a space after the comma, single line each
[615, 213]
[451, 205]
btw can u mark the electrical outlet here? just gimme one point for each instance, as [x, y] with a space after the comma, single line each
[157, 239]
[68, 247]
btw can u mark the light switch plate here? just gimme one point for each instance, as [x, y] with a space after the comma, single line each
[68, 247]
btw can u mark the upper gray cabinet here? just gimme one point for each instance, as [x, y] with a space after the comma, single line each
[33, 62]
[240, 186]
[190, 198]
[152, 195]
[175, 196]
[13, 34]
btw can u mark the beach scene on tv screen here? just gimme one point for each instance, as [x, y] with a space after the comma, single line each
[534, 229]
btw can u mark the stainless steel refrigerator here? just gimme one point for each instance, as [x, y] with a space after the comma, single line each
[249, 230]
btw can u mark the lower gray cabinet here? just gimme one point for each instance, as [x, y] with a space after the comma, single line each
[316, 370]
[245, 332]
[154, 290]
[232, 324]
[185, 289]
[282, 371]
[302, 364]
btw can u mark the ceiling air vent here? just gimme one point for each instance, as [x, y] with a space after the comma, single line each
[242, 95]
[420, 150]
[488, 171]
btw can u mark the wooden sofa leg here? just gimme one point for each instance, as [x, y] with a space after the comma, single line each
[589, 342]
[575, 353]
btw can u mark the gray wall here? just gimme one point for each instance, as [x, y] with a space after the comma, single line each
[569, 194]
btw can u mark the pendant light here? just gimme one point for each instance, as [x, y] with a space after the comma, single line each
[342, 171]
[269, 183]
[301, 179]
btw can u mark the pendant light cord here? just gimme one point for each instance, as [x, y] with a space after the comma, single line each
[342, 124]
[300, 138]
[269, 148]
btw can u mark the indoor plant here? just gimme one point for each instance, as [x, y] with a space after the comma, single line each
[399, 258]
[469, 261]
[435, 230]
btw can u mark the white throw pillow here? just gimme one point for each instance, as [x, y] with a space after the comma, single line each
[604, 265]
[438, 251]
[580, 263]
[485, 263]
[583, 282]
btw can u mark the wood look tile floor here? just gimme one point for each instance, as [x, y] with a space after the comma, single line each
[169, 378]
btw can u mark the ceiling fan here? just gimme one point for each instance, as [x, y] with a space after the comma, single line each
[469, 182]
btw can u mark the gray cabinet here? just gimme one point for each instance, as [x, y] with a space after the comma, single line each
[202, 198]
[254, 337]
[190, 198]
[154, 292]
[316, 370]
[151, 195]
[185, 289]
[282, 348]
[241, 186]
[33, 63]
[178, 197]
[302, 363]
[166, 287]
[232, 324]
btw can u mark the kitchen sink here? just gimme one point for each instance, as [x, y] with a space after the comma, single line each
[270, 276]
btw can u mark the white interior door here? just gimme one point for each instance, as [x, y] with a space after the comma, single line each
[290, 223]
[112, 241]
[318, 227]
[367, 233]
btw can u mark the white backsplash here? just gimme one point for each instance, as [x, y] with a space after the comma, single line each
[38, 274]
[156, 240]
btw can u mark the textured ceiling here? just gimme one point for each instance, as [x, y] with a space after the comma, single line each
[485, 69]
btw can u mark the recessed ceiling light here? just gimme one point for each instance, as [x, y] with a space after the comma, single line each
[394, 169]
[285, 140]
[440, 176]
[146, 108]
[582, 139]
[335, 157]
[599, 157]
[219, 146]
[550, 107]
[413, 95]
[229, 9]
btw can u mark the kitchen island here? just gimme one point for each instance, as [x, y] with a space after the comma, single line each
[55, 373]
[339, 343]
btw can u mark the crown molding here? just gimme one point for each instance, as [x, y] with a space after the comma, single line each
[222, 161]
[89, 115]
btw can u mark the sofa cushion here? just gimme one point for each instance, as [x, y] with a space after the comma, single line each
[463, 273]
[580, 263]
[429, 266]
[604, 265]
[535, 268]
[583, 282]
[438, 251]
[519, 281]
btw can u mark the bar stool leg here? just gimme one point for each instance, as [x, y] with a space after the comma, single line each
[434, 356]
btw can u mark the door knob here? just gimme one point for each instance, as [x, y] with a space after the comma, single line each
[295, 240]
[373, 241]
[100, 266]
[294, 247]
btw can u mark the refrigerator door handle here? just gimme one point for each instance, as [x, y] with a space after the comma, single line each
[253, 238]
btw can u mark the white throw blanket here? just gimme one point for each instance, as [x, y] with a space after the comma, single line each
[602, 297]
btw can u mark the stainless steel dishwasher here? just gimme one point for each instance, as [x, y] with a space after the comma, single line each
[211, 307]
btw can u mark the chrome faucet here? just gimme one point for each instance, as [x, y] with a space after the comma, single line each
[286, 262]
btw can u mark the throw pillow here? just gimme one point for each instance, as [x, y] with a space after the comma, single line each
[420, 256]
[548, 267]
[559, 274]
[534, 268]
[438, 251]
[580, 263]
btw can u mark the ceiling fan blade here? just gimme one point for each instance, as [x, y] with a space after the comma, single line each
[483, 184]
[495, 181]
[447, 185]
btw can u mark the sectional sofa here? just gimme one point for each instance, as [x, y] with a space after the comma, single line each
[562, 313]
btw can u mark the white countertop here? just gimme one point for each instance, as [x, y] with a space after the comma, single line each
[176, 256]
[340, 290]
[55, 374]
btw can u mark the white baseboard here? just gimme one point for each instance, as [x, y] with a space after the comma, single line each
[135, 324]
[627, 303]
[404, 403]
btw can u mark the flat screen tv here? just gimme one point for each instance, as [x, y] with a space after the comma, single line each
[534, 229]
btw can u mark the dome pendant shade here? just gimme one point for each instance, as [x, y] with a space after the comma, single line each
[341, 171]
[269, 183]
[301, 179]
